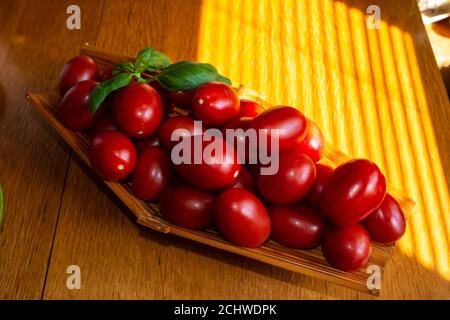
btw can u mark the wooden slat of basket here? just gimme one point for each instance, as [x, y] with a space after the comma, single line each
[308, 262]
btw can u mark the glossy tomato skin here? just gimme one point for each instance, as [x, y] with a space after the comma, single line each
[245, 181]
[250, 108]
[112, 155]
[138, 110]
[187, 124]
[74, 109]
[144, 144]
[290, 122]
[313, 144]
[211, 173]
[323, 172]
[297, 226]
[182, 99]
[187, 207]
[216, 104]
[353, 191]
[242, 218]
[346, 248]
[164, 94]
[239, 137]
[152, 174]
[294, 179]
[104, 123]
[387, 224]
[75, 70]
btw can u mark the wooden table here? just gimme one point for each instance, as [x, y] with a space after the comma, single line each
[376, 93]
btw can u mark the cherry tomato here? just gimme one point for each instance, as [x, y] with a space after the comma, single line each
[346, 248]
[164, 94]
[312, 145]
[138, 110]
[152, 174]
[215, 103]
[182, 99]
[74, 109]
[250, 108]
[296, 227]
[323, 172]
[242, 218]
[144, 144]
[75, 70]
[353, 191]
[294, 179]
[112, 155]
[387, 224]
[187, 207]
[214, 171]
[107, 74]
[185, 125]
[105, 123]
[290, 122]
[245, 181]
[240, 138]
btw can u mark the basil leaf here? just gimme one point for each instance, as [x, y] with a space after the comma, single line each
[143, 60]
[124, 66]
[158, 61]
[1, 206]
[187, 75]
[102, 90]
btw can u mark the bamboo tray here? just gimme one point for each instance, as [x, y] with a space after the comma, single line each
[308, 262]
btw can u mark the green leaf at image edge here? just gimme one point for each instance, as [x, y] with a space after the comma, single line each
[1, 207]
[104, 89]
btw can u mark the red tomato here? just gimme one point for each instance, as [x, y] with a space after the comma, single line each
[215, 103]
[164, 94]
[250, 108]
[240, 139]
[245, 181]
[353, 191]
[182, 99]
[112, 155]
[74, 109]
[242, 218]
[107, 74]
[187, 207]
[346, 248]
[296, 227]
[292, 182]
[152, 174]
[312, 145]
[323, 172]
[144, 144]
[290, 122]
[387, 224]
[170, 125]
[105, 123]
[138, 110]
[75, 70]
[214, 171]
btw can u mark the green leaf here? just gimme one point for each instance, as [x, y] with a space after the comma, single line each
[124, 66]
[104, 89]
[1, 206]
[143, 60]
[187, 75]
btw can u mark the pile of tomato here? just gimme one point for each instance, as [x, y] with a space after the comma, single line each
[304, 205]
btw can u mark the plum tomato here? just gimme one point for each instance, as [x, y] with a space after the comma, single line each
[164, 94]
[187, 207]
[74, 109]
[170, 125]
[112, 155]
[215, 170]
[387, 224]
[239, 139]
[104, 123]
[346, 248]
[138, 110]
[298, 226]
[215, 103]
[182, 99]
[294, 179]
[241, 218]
[290, 122]
[353, 191]
[312, 145]
[250, 108]
[75, 70]
[323, 172]
[152, 174]
[143, 144]
[245, 181]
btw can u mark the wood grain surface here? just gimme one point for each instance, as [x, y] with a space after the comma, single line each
[376, 93]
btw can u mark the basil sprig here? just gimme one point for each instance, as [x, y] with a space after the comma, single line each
[183, 75]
